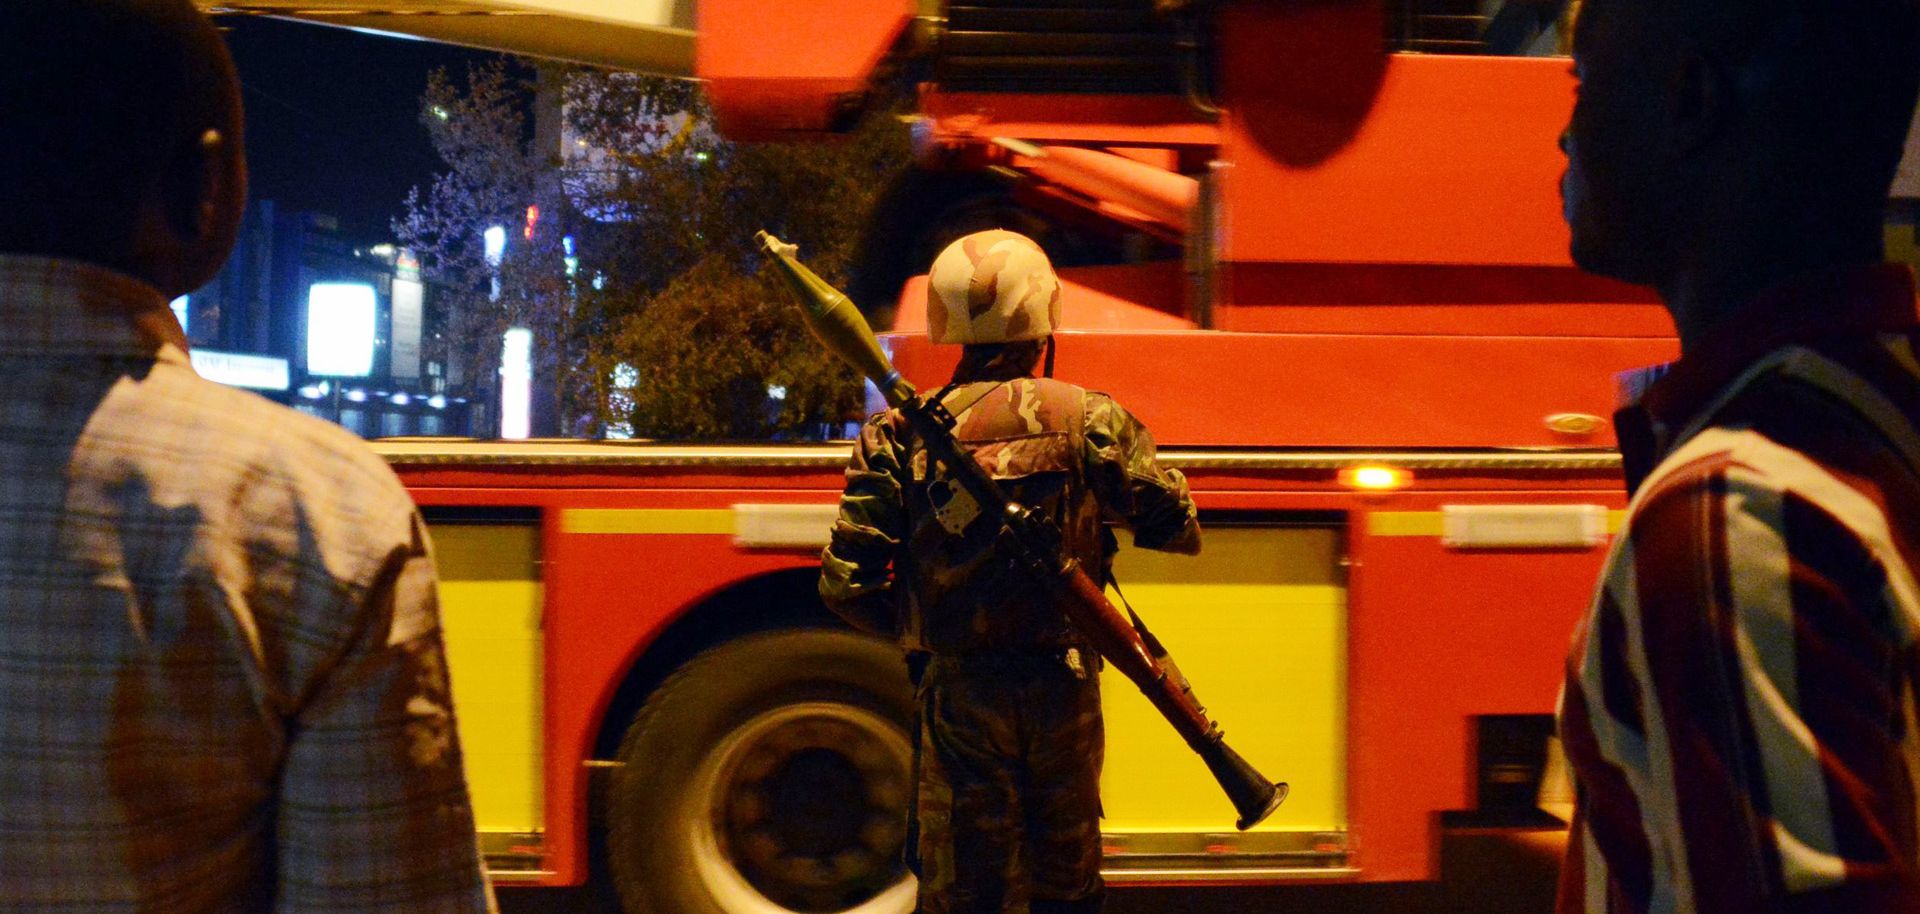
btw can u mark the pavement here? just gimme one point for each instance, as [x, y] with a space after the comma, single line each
[1492, 871]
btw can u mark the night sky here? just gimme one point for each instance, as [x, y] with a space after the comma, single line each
[332, 118]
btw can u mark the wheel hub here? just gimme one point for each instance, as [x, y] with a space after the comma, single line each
[808, 804]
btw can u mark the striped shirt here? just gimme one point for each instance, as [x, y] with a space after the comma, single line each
[1739, 709]
[222, 686]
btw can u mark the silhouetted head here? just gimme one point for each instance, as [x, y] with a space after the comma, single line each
[1710, 132]
[120, 138]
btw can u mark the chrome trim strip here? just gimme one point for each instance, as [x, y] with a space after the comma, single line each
[833, 455]
[1512, 460]
[463, 452]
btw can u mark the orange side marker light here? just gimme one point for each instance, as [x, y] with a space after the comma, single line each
[1375, 477]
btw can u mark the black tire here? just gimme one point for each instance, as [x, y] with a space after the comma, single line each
[768, 775]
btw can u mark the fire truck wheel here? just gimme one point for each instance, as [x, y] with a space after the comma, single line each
[768, 775]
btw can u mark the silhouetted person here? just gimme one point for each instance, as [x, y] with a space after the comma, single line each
[222, 686]
[1739, 708]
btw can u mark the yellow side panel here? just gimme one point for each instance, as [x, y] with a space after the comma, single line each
[1258, 623]
[490, 601]
[647, 520]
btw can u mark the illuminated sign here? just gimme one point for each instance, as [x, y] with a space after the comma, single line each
[516, 383]
[340, 329]
[404, 355]
[255, 372]
[493, 243]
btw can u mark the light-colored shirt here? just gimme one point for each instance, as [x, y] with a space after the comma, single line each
[1739, 709]
[222, 685]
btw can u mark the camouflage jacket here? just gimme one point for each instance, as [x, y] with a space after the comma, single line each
[906, 561]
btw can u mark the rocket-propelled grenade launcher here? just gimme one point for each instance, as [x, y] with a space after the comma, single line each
[1035, 541]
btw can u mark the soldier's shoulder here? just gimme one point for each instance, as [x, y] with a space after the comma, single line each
[1057, 386]
[1102, 405]
[1054, 390]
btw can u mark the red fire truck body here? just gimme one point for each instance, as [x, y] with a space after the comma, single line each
[637, 541]
[1385, 380]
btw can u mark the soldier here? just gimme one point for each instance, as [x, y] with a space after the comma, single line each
[1010, 734]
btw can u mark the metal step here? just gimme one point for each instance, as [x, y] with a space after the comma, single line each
[1261, 856]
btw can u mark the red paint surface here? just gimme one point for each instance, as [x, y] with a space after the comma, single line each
[1338, 390]
[1439, 636]
[1455, 161]
[1435, 636]
[776, 69]
[1430, 300]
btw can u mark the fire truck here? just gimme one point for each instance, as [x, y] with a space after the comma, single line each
[1365, 346]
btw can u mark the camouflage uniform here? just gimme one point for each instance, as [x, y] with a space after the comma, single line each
[1011, 733]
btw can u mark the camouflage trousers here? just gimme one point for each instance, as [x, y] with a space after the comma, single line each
[1009, 793]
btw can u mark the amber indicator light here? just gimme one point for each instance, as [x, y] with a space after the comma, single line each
[1374, 477]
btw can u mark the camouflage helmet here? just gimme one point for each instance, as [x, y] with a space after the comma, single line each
[992, 287]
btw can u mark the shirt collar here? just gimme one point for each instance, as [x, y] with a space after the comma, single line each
[1662, 401]
[52, 307]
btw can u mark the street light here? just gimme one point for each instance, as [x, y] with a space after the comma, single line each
[494, 244]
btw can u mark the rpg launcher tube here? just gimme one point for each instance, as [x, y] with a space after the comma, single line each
[836, 322]
[1253, 796]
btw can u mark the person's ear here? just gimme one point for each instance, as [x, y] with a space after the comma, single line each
[204, 193]
[192, 187]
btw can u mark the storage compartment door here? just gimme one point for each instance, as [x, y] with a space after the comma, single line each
[490, 599]
[1257, 622]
